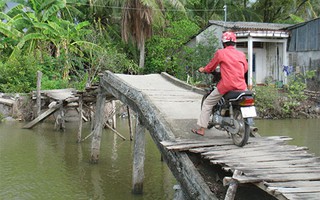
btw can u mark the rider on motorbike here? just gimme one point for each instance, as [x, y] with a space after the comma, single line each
[233, 66]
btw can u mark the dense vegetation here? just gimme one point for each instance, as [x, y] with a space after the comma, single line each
[71, 41]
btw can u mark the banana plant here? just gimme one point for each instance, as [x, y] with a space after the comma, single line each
[39, 28]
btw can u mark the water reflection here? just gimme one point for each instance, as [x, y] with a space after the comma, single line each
[304, 132]
[42, 163]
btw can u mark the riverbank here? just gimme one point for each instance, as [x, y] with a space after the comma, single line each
[307, 109]
[21, 107]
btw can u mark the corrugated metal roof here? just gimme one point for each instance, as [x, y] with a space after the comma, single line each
[294, 26]
[250, 25]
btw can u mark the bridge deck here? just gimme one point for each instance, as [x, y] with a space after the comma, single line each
[284, 171]
[169, 109]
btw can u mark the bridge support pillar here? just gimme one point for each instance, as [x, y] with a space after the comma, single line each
[98, 125]
[138, 159]
[233, 185]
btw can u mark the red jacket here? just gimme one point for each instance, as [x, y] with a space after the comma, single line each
[233, 66]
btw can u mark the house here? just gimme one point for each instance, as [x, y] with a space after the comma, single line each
[304, 48]
[265, 45]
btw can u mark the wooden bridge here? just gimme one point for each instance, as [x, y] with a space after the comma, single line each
[168, 108]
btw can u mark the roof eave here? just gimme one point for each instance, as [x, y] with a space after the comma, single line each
[267, 33]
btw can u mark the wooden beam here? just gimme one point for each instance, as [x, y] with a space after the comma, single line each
[42, 116]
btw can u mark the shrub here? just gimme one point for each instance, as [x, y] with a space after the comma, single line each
[266, 100]
[18, 75]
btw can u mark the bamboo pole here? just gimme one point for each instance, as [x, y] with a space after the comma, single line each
[138, 159]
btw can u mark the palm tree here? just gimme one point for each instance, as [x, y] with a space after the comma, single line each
[138, 18]
[137, 24]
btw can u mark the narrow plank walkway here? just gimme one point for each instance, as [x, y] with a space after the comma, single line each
[284, 171]
[169, 109]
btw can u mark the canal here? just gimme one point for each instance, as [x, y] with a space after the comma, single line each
[45, 164]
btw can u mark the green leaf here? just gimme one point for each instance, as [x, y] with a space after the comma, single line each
[8, 31]
[51, 8]
[4, 16]
[31, 36]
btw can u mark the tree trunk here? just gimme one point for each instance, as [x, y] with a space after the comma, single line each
[142, 54]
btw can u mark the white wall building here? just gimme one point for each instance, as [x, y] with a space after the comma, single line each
[265, 45]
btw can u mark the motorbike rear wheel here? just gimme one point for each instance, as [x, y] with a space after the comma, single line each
[241, 138]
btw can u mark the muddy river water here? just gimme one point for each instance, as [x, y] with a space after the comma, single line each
[45, 164]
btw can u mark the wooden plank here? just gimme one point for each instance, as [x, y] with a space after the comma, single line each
[254, 171]
[41, 117]
[8, 102]
[257, 154]
[315, 174]
[277, 178]
[226, 149]
[275, 162]
[295, 184]
[59, 94]
[185, 147]
[295, 190]
[254, 142]
[260, 149]
[303, 196]
[275, 166]
[253, 147]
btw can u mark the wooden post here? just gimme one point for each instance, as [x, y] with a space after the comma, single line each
[98, 125]
[130, 124]
[92, 117]
[114, 117]
[60, 119]
[138, 159]
[80, 118]
[39, 76]
[233, 185]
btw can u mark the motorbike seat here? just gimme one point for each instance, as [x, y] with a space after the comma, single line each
[234, 95]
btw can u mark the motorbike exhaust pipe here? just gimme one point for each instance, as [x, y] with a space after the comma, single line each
[254, 131]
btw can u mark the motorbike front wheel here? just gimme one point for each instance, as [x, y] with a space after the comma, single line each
[241, 138]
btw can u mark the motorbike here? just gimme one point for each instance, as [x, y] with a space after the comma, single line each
[233, 113]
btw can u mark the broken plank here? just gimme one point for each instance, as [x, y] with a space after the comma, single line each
[42, 116]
